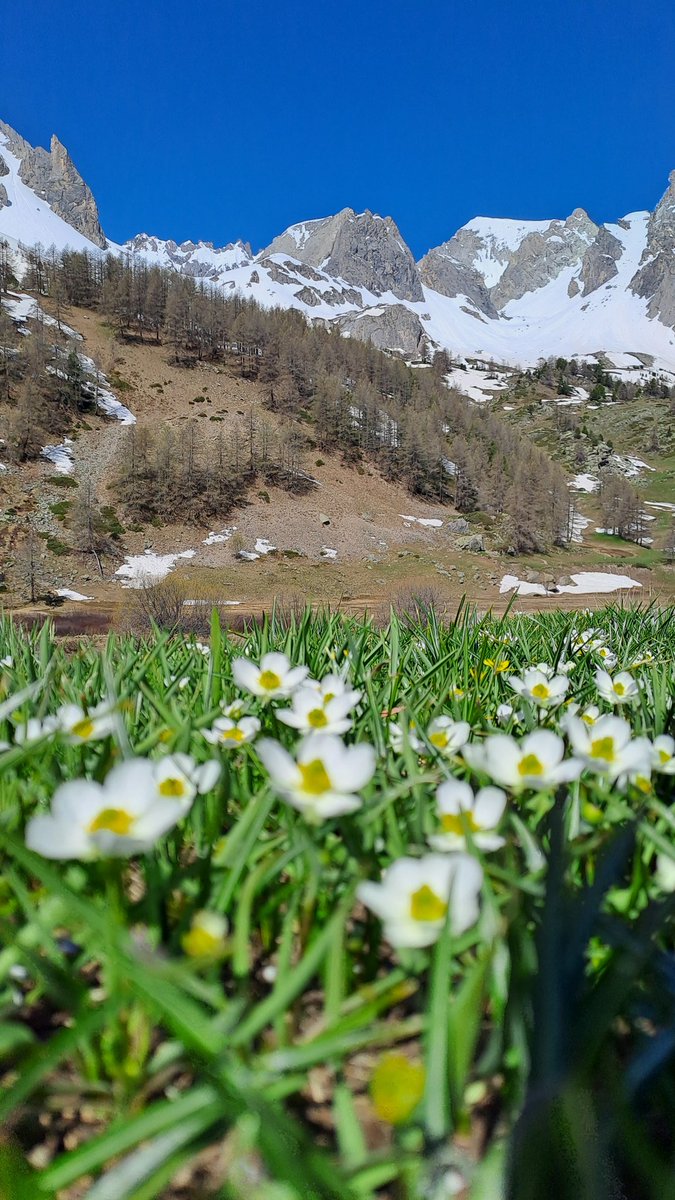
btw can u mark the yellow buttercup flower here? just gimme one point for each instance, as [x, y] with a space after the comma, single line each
[396, 1087]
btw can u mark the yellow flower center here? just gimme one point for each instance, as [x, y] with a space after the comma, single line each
[396, 1087]
[620, 689]
[642, 783]
[439, 739]
[232, 735]
[84, 728]
[315, 779]
[270, 681]
[317, 718]
[541, 691]
[199, 943]
[425, 905]
[664, 757]
[328, 697]
[588, 718]
[172, 787]
[603, 748]
[459, 822]
[530, 765]
[114, 820]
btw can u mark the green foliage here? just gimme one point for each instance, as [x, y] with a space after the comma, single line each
[548, 1024]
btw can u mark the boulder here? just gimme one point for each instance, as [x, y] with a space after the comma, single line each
[474, 542]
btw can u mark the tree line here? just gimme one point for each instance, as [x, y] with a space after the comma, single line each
[334, 393]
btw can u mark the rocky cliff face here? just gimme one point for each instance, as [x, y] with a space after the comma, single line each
[655, 279]
[53, 176]
[360, 248]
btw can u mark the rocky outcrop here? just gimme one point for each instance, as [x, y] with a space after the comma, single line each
[543, 255]
[655, 279]
[392, 328]
[53, 176]
[599, 262]
[450, 270]
[362, 249]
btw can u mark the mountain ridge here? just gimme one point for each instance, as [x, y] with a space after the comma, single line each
[503, 289]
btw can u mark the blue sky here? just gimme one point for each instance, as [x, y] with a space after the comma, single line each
[216, 120]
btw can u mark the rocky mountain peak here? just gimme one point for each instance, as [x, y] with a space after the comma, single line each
[53, 176]
[362, 249]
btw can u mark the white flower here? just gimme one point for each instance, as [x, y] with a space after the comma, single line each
[232, 733]
[622, 689]
[8, 661]
[123, 816]
[202, 649]
[665, 872]
[504, 713]
[415, 894]
[325, 779]
[606, 746]
[80, 727]
[663, 754]
[397, 737]
[33, 729]
[607, 656]
[534, 763]
[448, 736]
[589, 714]
[235, 708]
[179, 777]
[314, 712]
[460, 811]
[543, 689]
[274, 677]
[332, 686]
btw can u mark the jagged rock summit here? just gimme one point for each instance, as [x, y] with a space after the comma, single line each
[53, 177]
[502, 289]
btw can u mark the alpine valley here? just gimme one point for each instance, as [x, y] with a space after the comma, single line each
[558, 332]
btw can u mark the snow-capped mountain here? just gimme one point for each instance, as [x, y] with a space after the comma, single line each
[512, 291]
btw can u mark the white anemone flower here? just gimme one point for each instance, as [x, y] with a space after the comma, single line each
[536, 762]
[274, 678]
[234, 709]
[665, 872]
[448, 736]
[33, 729]
[123, 816]
[325, 778]
[663, 754]
[622, 689]
[588, 715]
[80, 727]
[608, 746]
[462, 813]
[312, 713]
[178, 777]
[397, 736]
[7, 661]
[415, 895]
[334, 685]
[544, 689]
[232, 732]
[504, 713]
[607, 656]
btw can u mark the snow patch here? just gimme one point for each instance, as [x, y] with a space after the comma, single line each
[431, 522]
[585, 583]
[70, 595]
[61, 457]
[144, 570]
